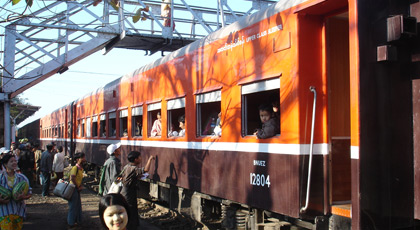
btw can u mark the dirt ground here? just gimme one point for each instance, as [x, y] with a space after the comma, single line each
[51, 212]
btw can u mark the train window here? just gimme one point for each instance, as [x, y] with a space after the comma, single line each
[68, 129]
[176, 117]
[102, 125]
[137, 121]
[59, 131]
[94, 126]
[254, 95]
[83, 127]
[208, 108]
[88, 126]
[79, 128]
[112, 124]
[154, 125]
[123, 123]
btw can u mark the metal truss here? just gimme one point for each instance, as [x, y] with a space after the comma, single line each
[59, 33]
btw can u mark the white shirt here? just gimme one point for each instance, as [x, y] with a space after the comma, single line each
[58, 163]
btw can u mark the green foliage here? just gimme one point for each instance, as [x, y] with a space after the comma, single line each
[28, 2]
[14, 111]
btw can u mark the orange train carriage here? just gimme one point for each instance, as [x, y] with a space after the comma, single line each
[346, 153]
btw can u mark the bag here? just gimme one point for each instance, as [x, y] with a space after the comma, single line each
[117, 185]
[102, 181]
[64, 189]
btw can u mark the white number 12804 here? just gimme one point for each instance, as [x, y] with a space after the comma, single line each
[259, 179]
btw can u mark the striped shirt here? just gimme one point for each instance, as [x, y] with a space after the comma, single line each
[13, 207]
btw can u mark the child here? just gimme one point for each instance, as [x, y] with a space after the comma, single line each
[114, 212]
[270, 125]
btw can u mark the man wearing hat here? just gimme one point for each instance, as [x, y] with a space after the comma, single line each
[46, 168]
[112, 168]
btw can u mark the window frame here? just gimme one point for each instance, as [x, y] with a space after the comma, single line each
[251, 88]
[136, 111]
[174, 104]
[112, 115]
[204, 98]
[95, 130]
[123, 113]
[88, 127]
[150, 119]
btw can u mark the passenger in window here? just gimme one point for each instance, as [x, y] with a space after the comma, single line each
[181, 121]
[157, 126]
[270, 125]
[211, 124]
[125, 133]
[138, 128]
[217, 132]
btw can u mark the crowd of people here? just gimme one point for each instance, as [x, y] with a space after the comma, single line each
[26, 162]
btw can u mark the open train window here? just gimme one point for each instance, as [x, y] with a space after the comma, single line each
[154, 125]
[208, 108]
[83, 127]
[94, 126]
[176, 116]
[137, 121]
[88, 126]
[254, 95]
[112, 124]
[124, 123]
[68, 129]
[102, 125]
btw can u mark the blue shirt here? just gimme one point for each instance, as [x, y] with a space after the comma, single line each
[13, 207]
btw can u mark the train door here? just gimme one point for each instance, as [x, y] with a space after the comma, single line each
[338, 78]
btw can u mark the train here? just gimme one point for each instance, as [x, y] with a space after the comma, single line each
[345, 78]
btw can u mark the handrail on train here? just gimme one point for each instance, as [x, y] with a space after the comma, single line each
[311, 147]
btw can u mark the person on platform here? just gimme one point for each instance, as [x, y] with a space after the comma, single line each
[26, 162]
[111, 168]
[114, 212]
[131, 173]
[12, 212]
[37, 155]
[46, 168]
[58, 163]
[74, 215]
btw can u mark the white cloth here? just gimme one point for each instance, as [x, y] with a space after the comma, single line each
[58, 163]
[181, 133]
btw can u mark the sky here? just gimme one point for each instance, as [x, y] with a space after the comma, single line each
[82, 78]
